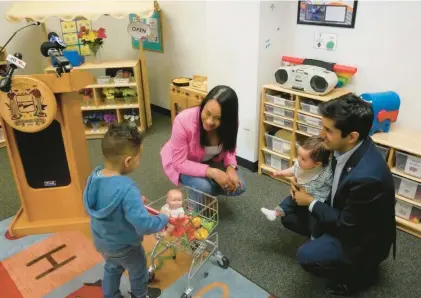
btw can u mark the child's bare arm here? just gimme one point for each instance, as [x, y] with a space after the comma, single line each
[284, 173]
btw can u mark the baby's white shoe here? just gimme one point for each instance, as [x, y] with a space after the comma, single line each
[270, 214]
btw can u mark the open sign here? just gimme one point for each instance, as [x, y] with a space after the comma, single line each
[138, 30]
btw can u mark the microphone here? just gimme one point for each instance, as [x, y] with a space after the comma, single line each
[50, 49]
[53, 37]
[6, 83]
[29, 25]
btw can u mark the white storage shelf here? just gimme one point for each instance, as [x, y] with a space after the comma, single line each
[279, 111]
[277, 144]
[313, 121]
[408, 164]
[383, 151]
[407, 188]
[276, 162]
[309, 108]
[279, 121]
[408, 211]
[280, 101]
[310, 130]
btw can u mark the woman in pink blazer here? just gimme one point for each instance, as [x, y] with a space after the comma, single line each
[201, 152]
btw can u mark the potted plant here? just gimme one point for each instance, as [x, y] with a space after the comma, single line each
[93, 38]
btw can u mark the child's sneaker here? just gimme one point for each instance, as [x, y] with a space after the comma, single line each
[152, 293]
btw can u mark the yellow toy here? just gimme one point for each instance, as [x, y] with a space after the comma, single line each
[201, 234]
[197, 222]
[109, 93]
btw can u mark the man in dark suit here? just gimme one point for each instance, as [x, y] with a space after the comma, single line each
[357, 224]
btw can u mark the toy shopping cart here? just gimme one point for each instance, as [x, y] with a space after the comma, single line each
[197, 236]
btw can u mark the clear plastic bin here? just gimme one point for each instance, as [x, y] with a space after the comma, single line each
[408, 164]
[279, 111]
[277, 144]
[276, 162]
[310, 108]
[310, 120]
[407, 188]
[308, 129]
[383, 151]
[279, 121]
[104, 80]
[280, 101]
[408, 211]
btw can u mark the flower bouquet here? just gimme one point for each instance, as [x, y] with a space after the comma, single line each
[93, 38]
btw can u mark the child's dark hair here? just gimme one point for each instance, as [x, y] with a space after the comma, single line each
[121, 139]
[318, 152]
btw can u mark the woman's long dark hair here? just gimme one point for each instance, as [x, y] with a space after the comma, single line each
[227, 131]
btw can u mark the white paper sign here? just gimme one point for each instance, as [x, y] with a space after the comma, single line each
[413, 166]
[314, 109]
[138, 30]
[279, 101]
[277, 146]
[16, 61]
[403, 210]
[276, 163]
[312, 121]
[279, 121]
[313, 131]
[325, 41]
[408, 189]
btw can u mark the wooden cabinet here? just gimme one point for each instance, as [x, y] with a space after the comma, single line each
[182, 98]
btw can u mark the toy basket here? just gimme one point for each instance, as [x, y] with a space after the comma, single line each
[200, 208]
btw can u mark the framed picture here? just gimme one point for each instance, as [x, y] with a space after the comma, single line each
[327, 13]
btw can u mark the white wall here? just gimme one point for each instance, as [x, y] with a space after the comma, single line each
[27, 42]
[385, 46]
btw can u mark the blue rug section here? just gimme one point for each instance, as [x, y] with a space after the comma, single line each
[238, 285]
[11, 247]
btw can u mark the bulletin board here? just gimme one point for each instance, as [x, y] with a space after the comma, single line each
[70, 30]
[154, 41]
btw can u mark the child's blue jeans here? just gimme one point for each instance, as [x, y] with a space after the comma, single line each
[133, 259]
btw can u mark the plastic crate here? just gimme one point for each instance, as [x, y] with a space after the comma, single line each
[310, 108]
[408, 164]
[279, 111]
[310, 120]
[308, 129]
[103, 80]
[279, 121]
[276, 162]
[407, 188]
[408, 211]
[277, 144]
[280, 101]
[383, 151]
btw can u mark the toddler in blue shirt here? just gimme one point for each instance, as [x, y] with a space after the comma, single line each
[119, 218]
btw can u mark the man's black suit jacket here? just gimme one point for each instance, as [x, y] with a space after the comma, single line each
[363, 213]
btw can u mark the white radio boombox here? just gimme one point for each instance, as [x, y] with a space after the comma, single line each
[307, 78]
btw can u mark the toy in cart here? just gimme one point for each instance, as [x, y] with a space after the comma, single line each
[194, 217]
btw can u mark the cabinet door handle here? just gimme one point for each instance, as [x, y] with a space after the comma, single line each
[187, 94]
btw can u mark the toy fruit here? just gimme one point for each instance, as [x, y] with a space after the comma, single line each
[197, 222]
[208, 225]
[201, 234]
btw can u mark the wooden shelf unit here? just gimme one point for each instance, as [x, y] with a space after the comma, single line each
[278, 115]
[397, 139]
[117, 106]
[184, 97]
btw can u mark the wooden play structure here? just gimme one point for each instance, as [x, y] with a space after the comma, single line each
[43, 128]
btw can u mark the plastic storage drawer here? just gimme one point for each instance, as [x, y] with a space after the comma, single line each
[276, 162]
[279, 121]
[310, 120]
[308, 129]
[279, 111]
[310, 108]
[407, 188]
[408, 211]
[383, 151]
[277, 144]
[280, 101]
[408, 164]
